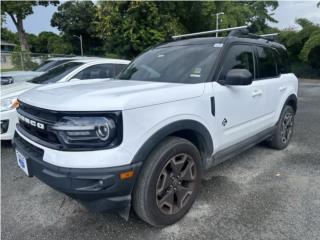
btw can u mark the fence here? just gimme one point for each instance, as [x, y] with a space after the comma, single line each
[25, 60]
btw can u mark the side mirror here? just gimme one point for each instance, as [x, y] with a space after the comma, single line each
[238, 77]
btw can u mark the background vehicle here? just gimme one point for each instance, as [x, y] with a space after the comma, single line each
[19, 76]
[84, 69]
[146, 137]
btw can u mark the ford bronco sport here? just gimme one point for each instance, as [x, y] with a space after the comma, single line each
[145, 138]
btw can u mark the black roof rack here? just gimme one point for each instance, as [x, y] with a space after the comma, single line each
[246, 34]
[241, 31]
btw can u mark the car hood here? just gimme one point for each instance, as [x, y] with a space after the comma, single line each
[15, 89]
[108, 95]
[19, 76]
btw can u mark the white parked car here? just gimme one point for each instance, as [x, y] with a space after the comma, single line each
[20, 76]
[93, 68]
[144, 139]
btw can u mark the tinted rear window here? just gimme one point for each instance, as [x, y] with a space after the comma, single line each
[267, 63]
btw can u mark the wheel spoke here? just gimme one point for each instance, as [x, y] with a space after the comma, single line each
[167, 202]
[163, 182]
[182, 194]
[177, 163]
[188, 173]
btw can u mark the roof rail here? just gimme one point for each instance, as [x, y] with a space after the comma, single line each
[269, 35]
[208, 32]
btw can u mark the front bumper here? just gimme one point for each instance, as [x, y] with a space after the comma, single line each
[100, 189]
[11, 118]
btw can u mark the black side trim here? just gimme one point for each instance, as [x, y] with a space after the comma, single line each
[200, 131]
[213, 106]
[242, 146]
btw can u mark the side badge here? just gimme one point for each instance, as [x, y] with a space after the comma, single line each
[224, 122]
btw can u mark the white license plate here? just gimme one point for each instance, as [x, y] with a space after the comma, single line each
[22, 162]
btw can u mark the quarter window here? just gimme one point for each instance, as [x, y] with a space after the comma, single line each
[267, 63]
[238, 57]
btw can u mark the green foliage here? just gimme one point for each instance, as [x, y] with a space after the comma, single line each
[75, 18]
[18, 11]
[311, 50]
[57, 45]
[130, 27]
[303, 45]
[22, 59]
[9, 36]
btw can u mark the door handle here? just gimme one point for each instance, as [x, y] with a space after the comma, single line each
[282, 88]
[256, 93]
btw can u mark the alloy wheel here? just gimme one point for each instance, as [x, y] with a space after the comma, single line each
[176, 183]
[287, 127]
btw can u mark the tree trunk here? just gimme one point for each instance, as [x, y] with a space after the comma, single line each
[21, 33]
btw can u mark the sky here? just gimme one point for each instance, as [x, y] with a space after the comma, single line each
[286, 14]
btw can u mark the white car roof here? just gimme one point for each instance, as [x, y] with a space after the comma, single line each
[102, 60]
[71, 58]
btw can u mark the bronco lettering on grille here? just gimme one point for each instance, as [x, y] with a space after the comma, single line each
[31, 122]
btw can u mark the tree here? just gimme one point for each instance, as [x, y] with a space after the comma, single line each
[303, 45]
[75, 18]
[18, 11]
[130, 27]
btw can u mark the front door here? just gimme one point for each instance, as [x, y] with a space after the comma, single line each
[239, 109]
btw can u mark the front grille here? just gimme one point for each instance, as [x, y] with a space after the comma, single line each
[44, 116]
[28, 147]
[36, 124]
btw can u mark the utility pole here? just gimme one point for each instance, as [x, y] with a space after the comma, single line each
[80, 38]
[217, 21]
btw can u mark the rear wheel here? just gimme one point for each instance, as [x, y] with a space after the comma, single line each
[284, 129]
[168, 183]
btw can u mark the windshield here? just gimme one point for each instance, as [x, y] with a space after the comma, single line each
[176, 64]
[55, 74]
[45, 66]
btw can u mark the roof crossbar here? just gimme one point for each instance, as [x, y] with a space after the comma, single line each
[208, 32]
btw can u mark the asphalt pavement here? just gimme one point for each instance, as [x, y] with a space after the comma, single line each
[260, 194]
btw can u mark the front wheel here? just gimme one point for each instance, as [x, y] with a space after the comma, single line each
[284, 129]
[168, 183]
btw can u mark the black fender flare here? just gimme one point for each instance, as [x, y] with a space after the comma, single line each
[293, 101]
[196, 127]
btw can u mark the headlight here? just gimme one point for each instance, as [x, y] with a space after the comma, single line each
[6, 80]
[9, 103]
[86, 131]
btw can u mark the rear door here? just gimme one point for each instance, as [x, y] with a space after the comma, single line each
[239, 109]
[268, 74]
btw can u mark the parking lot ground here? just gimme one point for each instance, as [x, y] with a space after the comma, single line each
[260, 194]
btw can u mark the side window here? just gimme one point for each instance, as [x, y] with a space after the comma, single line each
[267, 63]
[119, 68]
[283, 62]
[96, 71]
[238, 57]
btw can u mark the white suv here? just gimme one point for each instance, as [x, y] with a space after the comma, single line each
[146, 138]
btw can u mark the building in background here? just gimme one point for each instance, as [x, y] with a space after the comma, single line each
[6, 54]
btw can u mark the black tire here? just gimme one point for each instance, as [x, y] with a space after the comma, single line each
[284, 129]
[152, 190]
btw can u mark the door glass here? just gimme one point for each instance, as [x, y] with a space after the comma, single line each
[267, 63]
[238, 57]
[96, 72]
